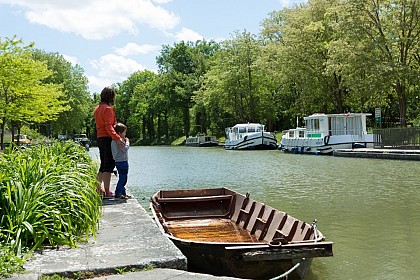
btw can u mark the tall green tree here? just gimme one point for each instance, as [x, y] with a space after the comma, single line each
[75, 93]
[24, 96]
[133, 102]
[280, 85]
[183, 67]
[235, 89]
[308, 34]
[389, 32]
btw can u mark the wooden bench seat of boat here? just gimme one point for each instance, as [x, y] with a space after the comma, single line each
[194, 198]
[194, 207]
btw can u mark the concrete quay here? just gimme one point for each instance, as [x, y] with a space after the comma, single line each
[128, 245]
[379, 153]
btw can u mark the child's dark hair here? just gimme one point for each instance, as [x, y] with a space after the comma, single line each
[108, 95]
[119, 128]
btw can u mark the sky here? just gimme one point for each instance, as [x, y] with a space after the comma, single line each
[111, 39]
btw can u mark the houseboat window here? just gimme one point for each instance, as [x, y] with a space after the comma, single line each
[338, 126]
[354, 125]
[301, 133]
[235, 130]
[242, 129]
[251, 129]
[316, 124]
[291, 134]
[312, 124]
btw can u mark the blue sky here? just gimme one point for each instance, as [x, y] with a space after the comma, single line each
[111, 39]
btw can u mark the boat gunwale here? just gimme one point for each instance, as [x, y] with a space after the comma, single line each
[253, 245]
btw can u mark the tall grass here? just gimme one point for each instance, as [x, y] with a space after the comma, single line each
[47, 196]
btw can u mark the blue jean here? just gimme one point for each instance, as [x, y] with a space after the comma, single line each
[122, 168]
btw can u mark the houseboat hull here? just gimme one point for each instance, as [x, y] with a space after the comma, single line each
[201, 141]
[257, 141]
[224, 233]
[326, 145]
[249, 136]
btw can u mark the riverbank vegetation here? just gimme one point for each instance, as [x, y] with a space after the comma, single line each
[47, 198]
[325, 56]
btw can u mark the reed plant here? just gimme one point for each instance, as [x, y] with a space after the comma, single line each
[48, 196]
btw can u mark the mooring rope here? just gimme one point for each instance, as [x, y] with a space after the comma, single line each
[316, 239]
[289, 271]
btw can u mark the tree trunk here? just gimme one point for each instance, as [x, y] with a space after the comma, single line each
[3, 124]
[166, 126]
[159, 127]
[402, 102]
[143, 129]
[186, 116]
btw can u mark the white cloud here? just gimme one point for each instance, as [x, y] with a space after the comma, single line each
[291, 3]
[115, 66]
[188, 35]
[162, 1]
[97, 19]
[111, 69]
[96, 84]
[71, 59]
[135, 49]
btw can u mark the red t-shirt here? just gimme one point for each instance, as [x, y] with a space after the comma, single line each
[105, 121]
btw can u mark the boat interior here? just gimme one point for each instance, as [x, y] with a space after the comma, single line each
[222, 215]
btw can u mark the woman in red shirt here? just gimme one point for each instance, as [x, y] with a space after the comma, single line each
[105, 120]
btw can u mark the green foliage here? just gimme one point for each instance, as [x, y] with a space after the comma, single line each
[47, 196]
[182, 68]
[24, 96]
[75, 92]
[136, 103]
[9, 262]
[179, 141]
[390, 32]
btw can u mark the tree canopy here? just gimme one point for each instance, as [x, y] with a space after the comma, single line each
[325, 56]
[25, 97]
[74, 85]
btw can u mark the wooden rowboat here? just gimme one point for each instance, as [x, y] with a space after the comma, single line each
[222, 232]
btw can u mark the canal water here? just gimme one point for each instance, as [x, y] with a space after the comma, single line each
[369, 208]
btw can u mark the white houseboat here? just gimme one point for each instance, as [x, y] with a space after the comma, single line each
[324, 133]
[201, 140]
[249, 136]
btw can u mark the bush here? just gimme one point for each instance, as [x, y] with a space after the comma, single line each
[47, 196]
[9, 262]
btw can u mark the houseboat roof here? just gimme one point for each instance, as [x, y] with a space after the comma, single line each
[317, 115]
[247, 124]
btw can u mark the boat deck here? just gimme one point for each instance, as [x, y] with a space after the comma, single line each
[209, 230]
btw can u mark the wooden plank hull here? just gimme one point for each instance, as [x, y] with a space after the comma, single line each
[222, 232]
[215, 259]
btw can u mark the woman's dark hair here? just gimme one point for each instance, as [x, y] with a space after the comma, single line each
[108, 95]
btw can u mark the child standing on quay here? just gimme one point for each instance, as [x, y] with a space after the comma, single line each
[120, 155]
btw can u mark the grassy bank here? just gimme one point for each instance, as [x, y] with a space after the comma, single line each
[47, 198]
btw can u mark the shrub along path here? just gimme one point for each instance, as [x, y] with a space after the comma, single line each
[127, 239]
